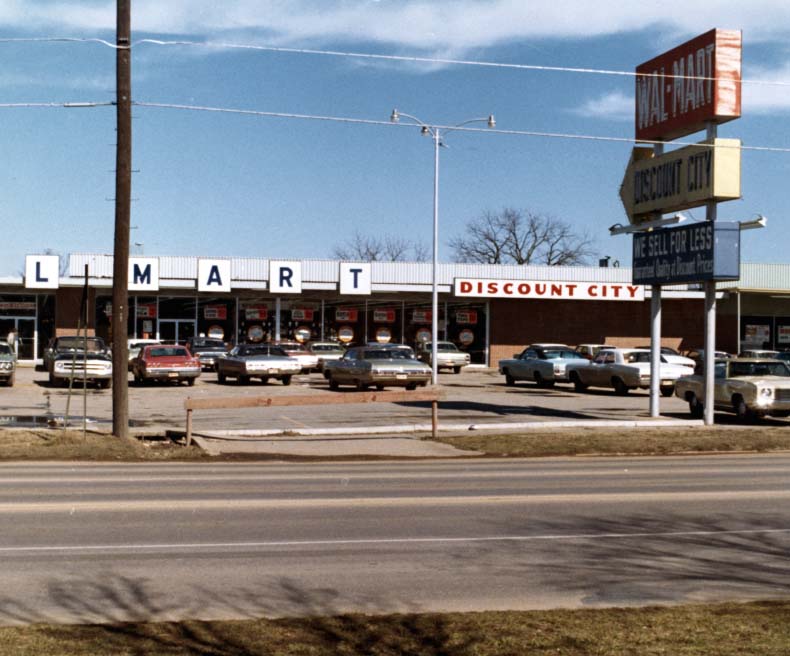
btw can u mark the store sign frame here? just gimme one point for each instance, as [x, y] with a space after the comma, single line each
[698, 82]
[688, 254]
[681, 179]
[547, 289]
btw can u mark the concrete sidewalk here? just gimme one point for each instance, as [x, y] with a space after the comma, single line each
[385, 441]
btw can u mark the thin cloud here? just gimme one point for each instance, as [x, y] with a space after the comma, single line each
[767, 98]
[614, 106]
[427, 25]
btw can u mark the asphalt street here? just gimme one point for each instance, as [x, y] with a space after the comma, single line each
[104, 542]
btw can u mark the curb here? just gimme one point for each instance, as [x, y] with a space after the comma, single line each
[426, 428]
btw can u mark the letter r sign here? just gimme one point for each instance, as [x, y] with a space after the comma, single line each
[355, 278]
[285, 277]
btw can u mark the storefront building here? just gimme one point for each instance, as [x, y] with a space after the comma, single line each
[490, 311]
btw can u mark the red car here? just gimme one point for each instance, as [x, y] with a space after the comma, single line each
[165, 362]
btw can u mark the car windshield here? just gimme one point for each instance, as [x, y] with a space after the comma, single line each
[555, 354]
[205, 342]
[738, 369]
[79, 343]
[245, 351]
[294, 347]
[638, 356]
[441, 346]
[168, 352]
[387, 354]
[5, 349]
[326, 347]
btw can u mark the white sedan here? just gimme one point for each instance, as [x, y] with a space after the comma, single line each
[624, 370]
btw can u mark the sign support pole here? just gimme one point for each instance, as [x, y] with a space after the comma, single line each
[655, 334]
[710, 314]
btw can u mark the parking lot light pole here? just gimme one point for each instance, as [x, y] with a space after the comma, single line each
[435, 132]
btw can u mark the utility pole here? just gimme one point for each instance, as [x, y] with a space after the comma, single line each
[123, 195]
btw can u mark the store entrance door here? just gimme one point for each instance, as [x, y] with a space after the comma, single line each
[22, 333]
[176, 330]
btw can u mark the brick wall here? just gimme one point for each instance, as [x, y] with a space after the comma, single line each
[516, 323]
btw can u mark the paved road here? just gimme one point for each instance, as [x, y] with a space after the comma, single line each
[87, 542]
[477, 397]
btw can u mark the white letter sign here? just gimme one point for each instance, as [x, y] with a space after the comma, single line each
[213, 275]
[285, 277]
[144, 274]
[354, 278]
[42, 271]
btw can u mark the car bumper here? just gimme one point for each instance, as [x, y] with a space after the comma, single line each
[170, 374]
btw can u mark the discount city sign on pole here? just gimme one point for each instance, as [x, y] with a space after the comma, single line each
[680, 179]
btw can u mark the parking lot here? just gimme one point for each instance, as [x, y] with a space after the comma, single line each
[474, 398]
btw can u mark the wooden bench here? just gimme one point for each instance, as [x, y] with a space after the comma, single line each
[432, 394]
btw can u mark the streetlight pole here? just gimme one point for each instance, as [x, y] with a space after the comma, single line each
[435, 132]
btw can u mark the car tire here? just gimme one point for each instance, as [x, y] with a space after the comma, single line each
[379, 387]
[243, 380]
[578, 385]
[333, 384]
[286, 380]
[221, 378]
[411, 387]
[540, 381]
[509, 380]
[696, 409]
[191, 382]
[361, 387]
[457, 370]
[741, 409]
[620, 388]
[264, 380]
[106, 384]
[667, 390]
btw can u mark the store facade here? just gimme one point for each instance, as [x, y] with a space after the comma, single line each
[489, 311]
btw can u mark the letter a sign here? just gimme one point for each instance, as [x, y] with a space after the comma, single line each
[213, 275]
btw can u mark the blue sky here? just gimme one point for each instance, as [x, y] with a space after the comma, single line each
[223, 184]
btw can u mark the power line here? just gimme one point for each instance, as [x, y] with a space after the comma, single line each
[361, 121]
[399, 58]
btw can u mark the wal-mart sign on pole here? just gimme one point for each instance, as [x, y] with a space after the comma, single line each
[695, 86]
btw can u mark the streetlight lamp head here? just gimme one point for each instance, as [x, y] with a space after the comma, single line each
[394, 117]
[491, 121]
[425, 130]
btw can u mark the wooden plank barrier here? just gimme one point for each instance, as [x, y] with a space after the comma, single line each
[432, 394]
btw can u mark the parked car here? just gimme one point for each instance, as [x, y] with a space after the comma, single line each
[758, 353]
[448, 355]
[544, 364]
[363, 366]
[93, 368]
[207, 350]
[7, 364]
[135, 344]
[698, 355]
[589, 351]
[71, 344]
[624, 370]
[264, 361]
[326, 351]
[165, 362]
[308, 360]
[673, 356]
[748, 387]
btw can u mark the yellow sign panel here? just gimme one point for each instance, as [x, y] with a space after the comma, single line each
[683, 178]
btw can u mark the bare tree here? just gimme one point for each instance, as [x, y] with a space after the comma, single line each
[521, 237]
[388, 248]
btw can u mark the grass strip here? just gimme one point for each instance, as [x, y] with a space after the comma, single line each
[722, 629]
